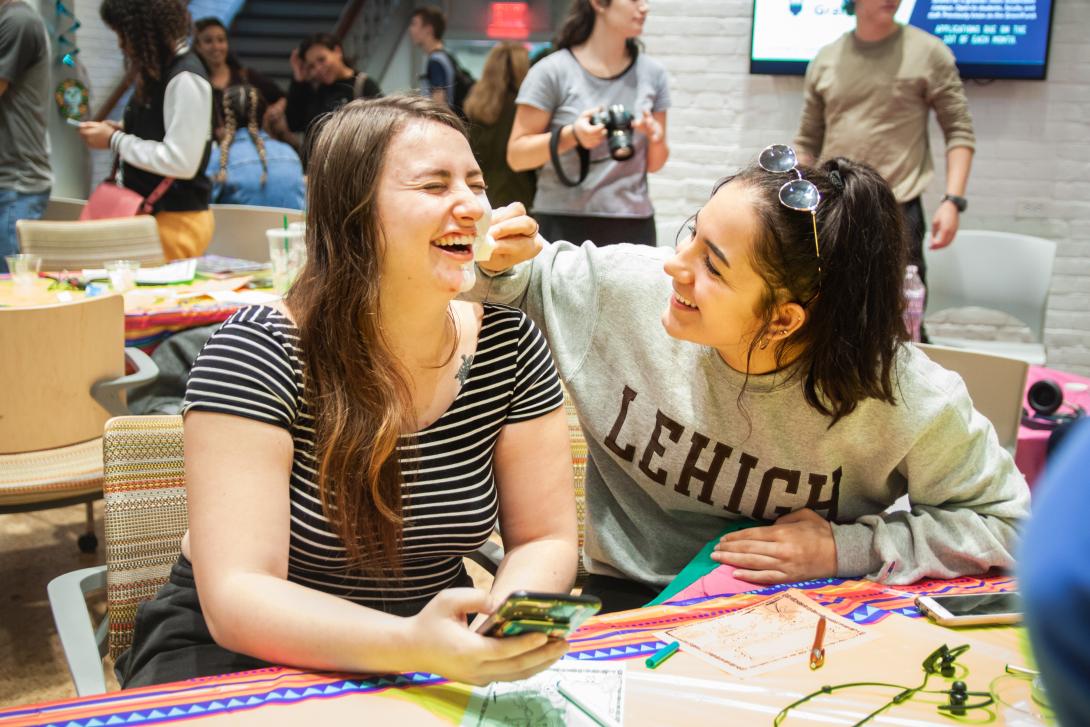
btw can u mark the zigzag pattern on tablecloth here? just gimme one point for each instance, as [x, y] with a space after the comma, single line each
[323, 688]
[615, 637]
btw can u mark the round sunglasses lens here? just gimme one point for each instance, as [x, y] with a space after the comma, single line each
[777, 158]
[800, 194]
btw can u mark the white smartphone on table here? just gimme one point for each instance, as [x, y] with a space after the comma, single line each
[972, 609]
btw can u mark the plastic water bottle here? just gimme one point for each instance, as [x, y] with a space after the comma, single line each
[914, 300]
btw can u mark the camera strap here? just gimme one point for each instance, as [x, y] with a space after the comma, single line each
[554, 154]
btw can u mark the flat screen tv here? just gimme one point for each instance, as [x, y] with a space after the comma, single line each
[989, 38]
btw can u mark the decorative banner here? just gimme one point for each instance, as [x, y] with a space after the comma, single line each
[66, 47]
[73, 99]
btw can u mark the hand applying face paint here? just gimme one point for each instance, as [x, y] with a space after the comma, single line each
[514, 234]
[483, 244]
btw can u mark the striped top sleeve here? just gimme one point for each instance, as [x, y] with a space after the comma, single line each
[249, 369]
[537, 386]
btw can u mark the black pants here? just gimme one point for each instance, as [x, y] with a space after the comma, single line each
[618, 594]
[171, 641]
[916, 231]
[599, 230]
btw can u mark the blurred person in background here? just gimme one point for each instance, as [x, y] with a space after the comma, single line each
[248, 166]
[167, 126]
[598, 64]
[25, 175]
[490, 108]
[868, 96]
[224, 69]
[322, 80]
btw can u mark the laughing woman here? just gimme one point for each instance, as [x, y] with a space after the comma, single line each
[346, 449]
[766, 376]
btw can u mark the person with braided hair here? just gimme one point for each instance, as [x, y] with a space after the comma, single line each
[166, 130]
[247, 166]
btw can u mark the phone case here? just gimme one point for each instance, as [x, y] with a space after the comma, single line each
[555, 614]
[941, 616]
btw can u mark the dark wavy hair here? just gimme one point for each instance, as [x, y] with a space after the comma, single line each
[329, 41]
[854, 305]
[356, 383]
[150, 31]
[578, 24]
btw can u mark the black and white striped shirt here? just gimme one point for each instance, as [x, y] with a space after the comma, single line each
[252, 368]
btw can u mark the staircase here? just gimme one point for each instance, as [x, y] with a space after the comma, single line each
[265, 32]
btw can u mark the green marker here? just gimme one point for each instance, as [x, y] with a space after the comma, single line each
[662, 654]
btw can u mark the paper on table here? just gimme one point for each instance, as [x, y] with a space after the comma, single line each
[179, 271]
[534, 702]
[766, 635]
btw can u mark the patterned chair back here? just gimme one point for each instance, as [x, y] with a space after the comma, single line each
[579, 465]
[145, 514]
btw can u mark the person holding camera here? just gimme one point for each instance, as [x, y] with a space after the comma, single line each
[592, 119]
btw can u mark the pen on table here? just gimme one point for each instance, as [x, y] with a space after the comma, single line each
[597, 718]
[887, 571]
[662, 655]
[817, 651]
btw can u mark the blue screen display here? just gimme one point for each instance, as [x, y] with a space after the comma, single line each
[989, 38]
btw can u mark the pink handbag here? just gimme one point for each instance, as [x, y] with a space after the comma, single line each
[110, 199]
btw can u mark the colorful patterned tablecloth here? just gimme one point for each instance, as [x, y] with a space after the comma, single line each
[623, 635]
[152, 313]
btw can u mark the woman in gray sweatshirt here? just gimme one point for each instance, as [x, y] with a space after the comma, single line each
[766, 375]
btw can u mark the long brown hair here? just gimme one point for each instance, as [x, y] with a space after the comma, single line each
[356, 385]
[150, 31]
[504, 70]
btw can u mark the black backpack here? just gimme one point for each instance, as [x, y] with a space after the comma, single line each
[463, 81]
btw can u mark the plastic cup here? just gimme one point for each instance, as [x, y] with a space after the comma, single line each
[122, 274]
[287, 255]
[24, 268]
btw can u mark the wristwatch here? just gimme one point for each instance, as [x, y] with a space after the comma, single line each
[960, 202]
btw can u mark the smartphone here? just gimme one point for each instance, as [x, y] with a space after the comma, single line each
[972, 609]
[554, 614]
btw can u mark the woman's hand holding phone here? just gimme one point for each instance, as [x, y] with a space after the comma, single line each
[447, 647]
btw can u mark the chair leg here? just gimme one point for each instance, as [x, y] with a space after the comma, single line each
[88, 542]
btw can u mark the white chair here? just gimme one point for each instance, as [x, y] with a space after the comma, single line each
[1002, 271]
[996, 385]
[63, 209]
[91, 243]
[240, 229]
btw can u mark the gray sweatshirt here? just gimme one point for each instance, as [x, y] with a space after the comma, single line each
[676, 448]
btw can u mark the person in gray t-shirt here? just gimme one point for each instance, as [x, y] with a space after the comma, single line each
[25, 177]
[597, 65]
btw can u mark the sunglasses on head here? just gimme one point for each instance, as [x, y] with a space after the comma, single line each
[799, 194]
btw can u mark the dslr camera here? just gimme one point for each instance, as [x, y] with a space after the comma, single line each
[618, 123]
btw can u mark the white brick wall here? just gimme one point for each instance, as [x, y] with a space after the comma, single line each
[105, 67]
[1033, 145]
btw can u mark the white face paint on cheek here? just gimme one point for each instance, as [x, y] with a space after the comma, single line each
[483, 244]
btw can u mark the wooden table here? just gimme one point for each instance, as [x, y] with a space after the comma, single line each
[683, 691]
